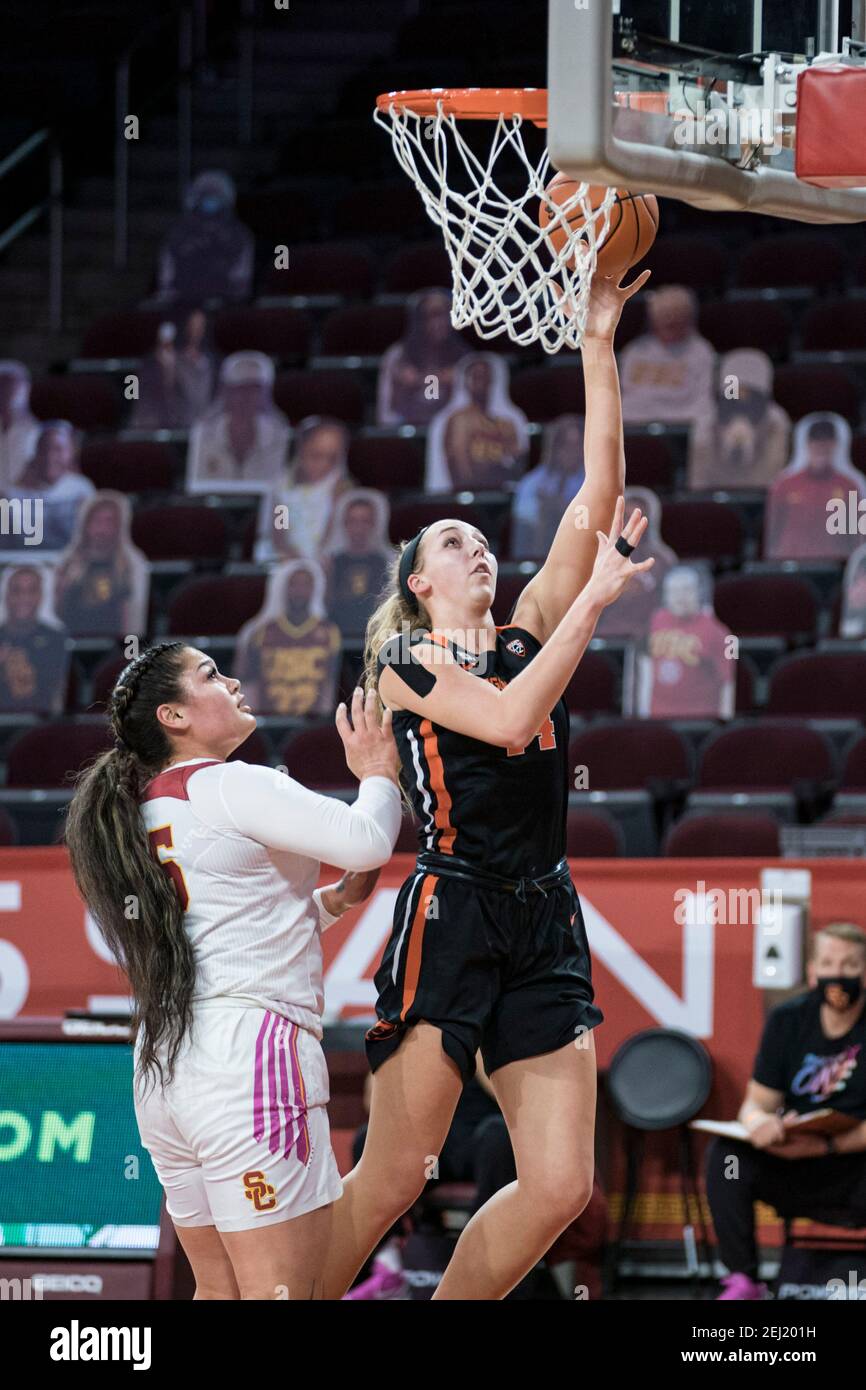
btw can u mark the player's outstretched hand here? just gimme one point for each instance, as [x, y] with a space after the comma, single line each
[369, 746]
[613, 570]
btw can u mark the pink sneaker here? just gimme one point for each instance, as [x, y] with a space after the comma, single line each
[741, 1286]
[387, 1279]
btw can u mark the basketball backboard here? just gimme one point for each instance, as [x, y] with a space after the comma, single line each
[631, 105]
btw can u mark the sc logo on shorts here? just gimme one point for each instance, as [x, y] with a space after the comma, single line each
[258, 1190]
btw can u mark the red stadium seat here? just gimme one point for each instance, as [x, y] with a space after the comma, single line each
[419, 267]
[791, 260]
[734, 835]
[316, 758]
[381, 209]
[542, 393]
[747, 323]
[701, 262]
[630, 754]
[325, 391]
[46, 756]
[362, 330]
[649, 461]
[334, 269]
[180, 533]
[104, 680]
[703, 530]
[593, 687]
[592, 835]
[8, 828]
[282, 333]
[215, 605]
[88, 402]
[129, 465]
[281, 218]
[390, 462]
[830, 685]
[761, 605]
[854, 770]
[130, 333]
[745, 687]
[834, 325]
[803, 389]
[769, 754]
[255, 749]
[409, 517]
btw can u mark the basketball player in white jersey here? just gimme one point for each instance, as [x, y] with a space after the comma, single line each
[201, 874]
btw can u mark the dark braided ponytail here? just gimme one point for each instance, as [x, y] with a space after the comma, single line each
[131, 898]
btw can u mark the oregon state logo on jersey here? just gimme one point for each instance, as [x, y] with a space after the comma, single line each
[258, 1190]
[516, 646]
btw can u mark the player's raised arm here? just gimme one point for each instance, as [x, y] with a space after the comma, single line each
[426, 679]
[549, 595]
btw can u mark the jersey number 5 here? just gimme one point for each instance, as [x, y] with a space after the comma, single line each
[161, 839]
[546, 736]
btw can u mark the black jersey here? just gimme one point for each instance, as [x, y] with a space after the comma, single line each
[502, 809]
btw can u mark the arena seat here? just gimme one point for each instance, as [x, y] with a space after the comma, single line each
[509, 586]
[326, 391]
[44, 757]
[649, 461]
[593, 687]
[104, 679]
[829, 685]
[316, 757]
[793, 260]
[381, 209]
[129, 465]
[834, 325]
[735, 835]
[88, 402]
[390, 463]
[761, 605]
[409, 517]
[854, 767]
[180, 533]
[747, 323]
[255, 749]
[215, 605]
[280, 332]
[343, 270]
[766, 753]
[362, 330]
[592, 835]
[129, 333]
[630, 754]
[802, 389]
[422, 266]
[696, 529]
[678, 258]
[8, 828]
[542, 393]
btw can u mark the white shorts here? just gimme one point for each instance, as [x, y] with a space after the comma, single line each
[240, 1137]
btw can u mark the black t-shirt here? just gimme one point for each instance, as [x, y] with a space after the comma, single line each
[814, 1071]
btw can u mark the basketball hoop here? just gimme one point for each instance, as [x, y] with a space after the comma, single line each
[509, 274]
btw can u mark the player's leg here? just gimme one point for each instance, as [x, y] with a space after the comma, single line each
[414, 1096]
[211, 1266]
[282, 1261]
[548, 1103]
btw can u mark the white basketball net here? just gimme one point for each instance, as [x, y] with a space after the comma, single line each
[507, 274]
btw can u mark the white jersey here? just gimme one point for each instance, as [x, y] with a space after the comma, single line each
[242, 845]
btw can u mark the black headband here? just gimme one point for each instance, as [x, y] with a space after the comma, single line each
[407, 564]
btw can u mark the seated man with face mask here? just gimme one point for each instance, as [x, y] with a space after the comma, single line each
[812, 1057]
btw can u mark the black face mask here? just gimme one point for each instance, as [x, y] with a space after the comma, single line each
[850, 985]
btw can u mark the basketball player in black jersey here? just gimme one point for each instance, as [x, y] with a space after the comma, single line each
[488, 948]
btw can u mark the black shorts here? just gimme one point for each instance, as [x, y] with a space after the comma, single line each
[513, 978]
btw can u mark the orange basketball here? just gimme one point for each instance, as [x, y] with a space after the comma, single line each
[634, 221]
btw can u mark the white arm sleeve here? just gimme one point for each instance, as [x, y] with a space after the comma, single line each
[285, 815]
